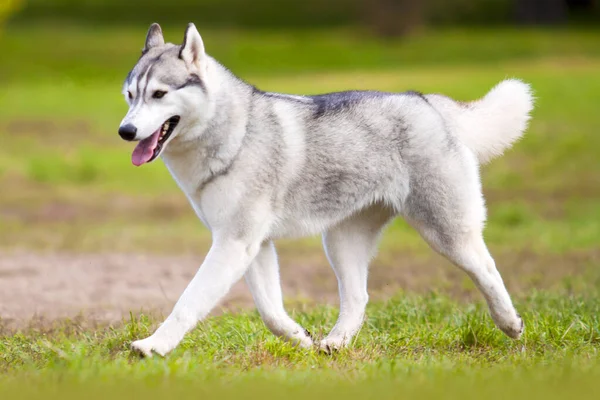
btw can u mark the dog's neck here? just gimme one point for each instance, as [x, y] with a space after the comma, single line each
[210, 146]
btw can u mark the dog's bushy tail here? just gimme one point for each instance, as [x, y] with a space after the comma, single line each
[492, 124]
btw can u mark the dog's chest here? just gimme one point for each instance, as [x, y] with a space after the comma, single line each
[189, 173]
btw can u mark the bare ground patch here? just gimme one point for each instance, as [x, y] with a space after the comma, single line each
[104, 287]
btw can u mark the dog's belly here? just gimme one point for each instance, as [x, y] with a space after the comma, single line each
[291, 228]
[301, 217]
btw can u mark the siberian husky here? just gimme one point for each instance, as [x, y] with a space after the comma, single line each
[258, 166]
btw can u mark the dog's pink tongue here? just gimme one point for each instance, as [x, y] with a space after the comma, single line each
[144, 150]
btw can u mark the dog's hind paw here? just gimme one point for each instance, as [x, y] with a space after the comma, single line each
[147, 347]
[514, 330]
[332, 345]
[511, 324]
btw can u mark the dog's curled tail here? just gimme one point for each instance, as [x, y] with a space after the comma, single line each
[492, 124]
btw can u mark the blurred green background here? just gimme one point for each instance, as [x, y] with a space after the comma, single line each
[68, 191]
[68, 184]
[64, 170]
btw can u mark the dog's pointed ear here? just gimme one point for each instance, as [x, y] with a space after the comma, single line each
[192, 49]
[154, 37]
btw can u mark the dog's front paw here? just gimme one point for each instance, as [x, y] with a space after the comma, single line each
[301, 338]
[149, 346]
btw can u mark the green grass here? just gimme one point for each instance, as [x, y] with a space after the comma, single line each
[408, 343]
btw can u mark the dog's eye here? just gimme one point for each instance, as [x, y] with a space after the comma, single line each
[129, 95]
[158, 94]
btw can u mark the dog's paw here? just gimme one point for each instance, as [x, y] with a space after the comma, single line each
[332, 345]
[511, 325]
[301, 338]
[515, 329]
[148, 346]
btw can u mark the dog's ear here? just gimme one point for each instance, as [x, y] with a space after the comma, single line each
[192, 49]
[154, 37]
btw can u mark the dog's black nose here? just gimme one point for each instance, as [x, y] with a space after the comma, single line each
[127, 132]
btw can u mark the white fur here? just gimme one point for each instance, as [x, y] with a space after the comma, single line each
[492, 124]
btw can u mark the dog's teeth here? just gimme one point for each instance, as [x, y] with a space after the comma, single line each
[164, 129]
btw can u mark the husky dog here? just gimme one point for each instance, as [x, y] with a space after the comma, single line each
[258, 166]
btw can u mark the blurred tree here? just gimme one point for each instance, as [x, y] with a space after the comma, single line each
[8, 8]
[387, 18]
[580, 4]
[391, 18]
[584, 10]
[541, 11]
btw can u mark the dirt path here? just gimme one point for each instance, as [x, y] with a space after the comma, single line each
[106, 287]
[101, 286]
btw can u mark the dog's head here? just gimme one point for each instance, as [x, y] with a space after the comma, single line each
[166, 93]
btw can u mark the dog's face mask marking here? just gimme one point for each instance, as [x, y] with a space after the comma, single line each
[165, 92]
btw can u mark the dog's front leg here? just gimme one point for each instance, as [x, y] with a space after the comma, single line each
[225, 263]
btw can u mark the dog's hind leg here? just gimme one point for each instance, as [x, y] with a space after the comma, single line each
[448, 211]
[468, 252]
[350, 246]
[264, 283]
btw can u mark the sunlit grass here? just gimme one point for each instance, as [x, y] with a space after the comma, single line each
[407, 339]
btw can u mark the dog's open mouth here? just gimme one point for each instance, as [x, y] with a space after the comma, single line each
[149, 148]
